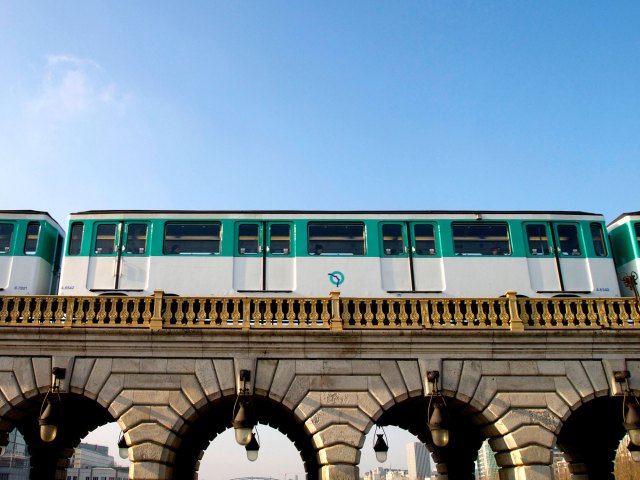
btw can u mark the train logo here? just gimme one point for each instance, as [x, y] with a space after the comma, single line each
[337, 278]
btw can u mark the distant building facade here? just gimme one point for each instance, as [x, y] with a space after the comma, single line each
[15, 461]
[93, 462]
[487, 468]
[418, 461]
[381, 473]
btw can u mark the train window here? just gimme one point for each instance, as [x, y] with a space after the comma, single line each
[599, 245]
[280, 239]
[75, 242]
[248, 240]
[105, 239]
[392, 239]
[481, 239]
[637, 228]
[185, 238]
[136, 238]
[538, 241]
[31, 242]
[6, 232]
[336, 239]
[424, 239]
[569, 244]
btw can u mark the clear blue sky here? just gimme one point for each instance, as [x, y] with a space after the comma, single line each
[375, 105]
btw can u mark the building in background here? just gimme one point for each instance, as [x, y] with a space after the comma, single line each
[487, 468]
[418, 461]
[90, 462]
[15, 461]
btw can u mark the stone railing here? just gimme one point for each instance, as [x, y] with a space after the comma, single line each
[331, 313]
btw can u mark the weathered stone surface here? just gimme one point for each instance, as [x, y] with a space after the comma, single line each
[149, 471]
[42, 372]
[97, 378]
[82, 368]
[523, 437]
[191, 389]
[411, 374]
[282, 379]
[532, 472]
[149, 433]
[297, 391]
[338, 434]
[379, 390]
[339, 472]
[265, 371]
[469, 379]
[531, 455]
[206, 375]
[10, 388]
[226, 376]
[391, 375]
[338, 454]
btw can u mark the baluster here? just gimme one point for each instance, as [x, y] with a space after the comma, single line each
[481, 315]
[446, 314]
[536, 318]
[291, 311]
[59, 315]
[368, 314]
[415, 313]
[257, 315]
[4, 312]
[302, 315]
[325, 316]
[91, 309]
[457, 313]
[190, 315]
[279, 313]
[235, 314]
[214, 318]
[102, 313]
[612, 315]
[147, 314]
[546, 316]
[403, 316]
[36, 317]
[15, 311]
[635, 315]
[558, 319]
[201, 316]
[569, 316]
[504, 314]
[357, 314]
[48, 312]
[113, 313]
[469, 314]
[26, 312]
[493, 316]
[68, 316]
[581, 317]
[125, 312]
[380, 316]
[268, 312]
[435, 313]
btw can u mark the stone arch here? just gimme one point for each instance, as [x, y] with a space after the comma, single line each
[24, 382]
[205, 424]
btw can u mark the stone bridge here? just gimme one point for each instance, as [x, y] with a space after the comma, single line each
[526, 374]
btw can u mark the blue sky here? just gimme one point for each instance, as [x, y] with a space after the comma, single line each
[273, 104]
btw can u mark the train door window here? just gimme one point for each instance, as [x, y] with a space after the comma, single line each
[6, 232]
[597, 235]
[75, 242]
[189, 238]
[280, 239]
[136, 241]
[568, 238]
[481, 239]
[424, 239]
[537, 239]
[392, 239]
[105, 239]
[336, 239]
[31, 242]
[248, 238]
[637, 230]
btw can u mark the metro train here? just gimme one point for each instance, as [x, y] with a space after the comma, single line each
[307, 254]
[30, 251]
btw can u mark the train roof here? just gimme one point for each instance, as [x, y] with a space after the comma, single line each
[624, 216]
[337, 212]
[32, 213]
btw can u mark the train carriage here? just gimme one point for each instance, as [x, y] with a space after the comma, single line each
[624, 234]
[30, 251]
[363, 254]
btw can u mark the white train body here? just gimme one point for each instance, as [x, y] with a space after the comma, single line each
[362, 254]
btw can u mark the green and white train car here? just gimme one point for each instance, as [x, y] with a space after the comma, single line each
[363, 254]
[30, 250]
[624, 233]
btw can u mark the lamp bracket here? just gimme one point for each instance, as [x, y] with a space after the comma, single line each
[621, 376]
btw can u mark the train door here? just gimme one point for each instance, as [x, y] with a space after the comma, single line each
[6, 259]
[263, 259]
[410, 260]
[556, 258]
[119, 256]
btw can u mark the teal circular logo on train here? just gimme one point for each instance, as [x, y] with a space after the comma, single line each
[337, 278]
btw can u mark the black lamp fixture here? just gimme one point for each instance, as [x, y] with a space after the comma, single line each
[253, 446]
[243, 419]
[51, 410]
[123, 448]
[380, 446]
[438, 418]
[630, 409]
